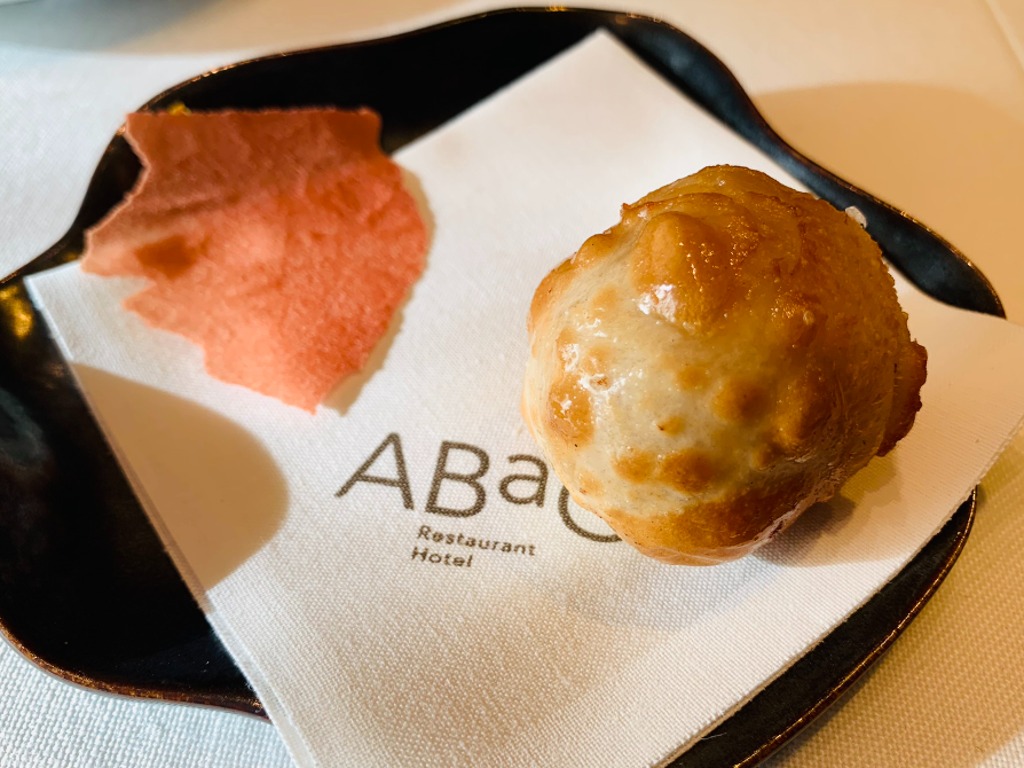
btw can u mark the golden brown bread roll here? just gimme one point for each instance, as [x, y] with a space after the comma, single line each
[729, 353]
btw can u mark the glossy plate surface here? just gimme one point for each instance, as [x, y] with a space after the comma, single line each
[86, 589]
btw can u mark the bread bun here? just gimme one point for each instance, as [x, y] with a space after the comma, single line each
[728, 354]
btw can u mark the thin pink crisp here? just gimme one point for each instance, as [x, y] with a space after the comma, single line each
[282, 242]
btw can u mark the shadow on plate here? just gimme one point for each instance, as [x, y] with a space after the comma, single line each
[221, 495]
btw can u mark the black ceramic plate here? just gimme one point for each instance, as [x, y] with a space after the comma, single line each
[86, 589]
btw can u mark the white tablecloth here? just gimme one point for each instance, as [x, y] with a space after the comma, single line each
[921, 103]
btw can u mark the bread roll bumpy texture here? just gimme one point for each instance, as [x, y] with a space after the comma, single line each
[728, 354]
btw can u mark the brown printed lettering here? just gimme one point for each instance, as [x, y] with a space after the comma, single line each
[401, 482]
[469, 479]
[572, 525]
[540, 479]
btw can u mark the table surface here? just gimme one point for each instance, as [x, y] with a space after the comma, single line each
[919, 102]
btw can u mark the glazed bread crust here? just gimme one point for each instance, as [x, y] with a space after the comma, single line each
[728, 354]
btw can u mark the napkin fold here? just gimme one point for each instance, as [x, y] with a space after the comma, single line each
[400, 576]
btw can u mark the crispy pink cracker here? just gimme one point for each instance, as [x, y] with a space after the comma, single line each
[282, 242]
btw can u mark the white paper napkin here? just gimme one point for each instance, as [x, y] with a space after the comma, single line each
[341, 556]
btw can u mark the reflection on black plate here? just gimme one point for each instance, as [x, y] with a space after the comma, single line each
[86, 589]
